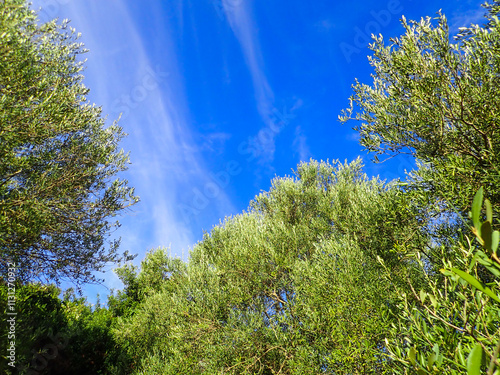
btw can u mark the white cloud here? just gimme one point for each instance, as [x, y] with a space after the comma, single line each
[238, 14]
[465, 19]
[214, 142]
[165, 160]
[300, 145]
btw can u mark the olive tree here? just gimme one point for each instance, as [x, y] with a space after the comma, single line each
[450, 323]
[437, 99]
[58, 159]
[293, 286]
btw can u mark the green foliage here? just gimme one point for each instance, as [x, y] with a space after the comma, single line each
[54, 336]
[39, 318]
[452, 328]
[156, 268]
[292, 287]
[437, 100]
[57, 192]
[92, 348]
[328, 272]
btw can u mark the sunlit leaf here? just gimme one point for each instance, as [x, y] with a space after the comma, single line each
[412, 355]
[476, 283]
[489, 212]
[430, 360]
[495, 240]
[476, 211]
[422, 296]
[474, 360]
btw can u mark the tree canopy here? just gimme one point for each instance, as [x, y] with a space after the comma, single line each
[437, 98]
[293, 286]
[329, 271]
[58, 160]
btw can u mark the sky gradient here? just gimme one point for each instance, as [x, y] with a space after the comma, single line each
[220, 96]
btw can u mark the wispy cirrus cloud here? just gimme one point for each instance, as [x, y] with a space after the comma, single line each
[149, 91]
[242, 24]
[300, 145]
[466, 18]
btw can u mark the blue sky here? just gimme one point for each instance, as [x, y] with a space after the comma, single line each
[220, 96]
